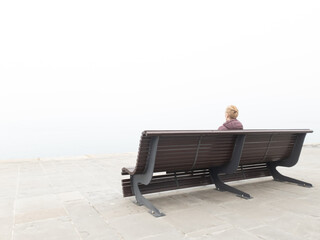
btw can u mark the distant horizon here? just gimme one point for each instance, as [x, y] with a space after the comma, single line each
[57, 156]
[90, 155]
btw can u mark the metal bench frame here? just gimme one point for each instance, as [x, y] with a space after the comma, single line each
[230, 168]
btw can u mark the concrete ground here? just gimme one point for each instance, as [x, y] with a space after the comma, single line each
[80, 198]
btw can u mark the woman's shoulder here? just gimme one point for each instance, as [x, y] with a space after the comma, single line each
[233, 124]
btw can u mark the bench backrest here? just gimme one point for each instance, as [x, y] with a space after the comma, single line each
[191, 150]
[267, 147]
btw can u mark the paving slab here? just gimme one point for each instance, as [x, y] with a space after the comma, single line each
[235, 233]
[90, 224]
[39, 207]
[49, 229]
[6, 227]
[142, 225]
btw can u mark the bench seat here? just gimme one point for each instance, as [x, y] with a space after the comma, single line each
[196, 178]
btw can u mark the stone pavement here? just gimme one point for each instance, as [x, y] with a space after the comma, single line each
[80, 198]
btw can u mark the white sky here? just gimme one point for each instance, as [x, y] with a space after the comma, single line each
[87, 77]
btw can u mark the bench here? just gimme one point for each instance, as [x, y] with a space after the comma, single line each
[170, 160]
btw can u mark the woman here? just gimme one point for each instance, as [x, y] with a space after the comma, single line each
[231, 123]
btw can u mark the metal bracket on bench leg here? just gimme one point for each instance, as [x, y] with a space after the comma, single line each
[231, 167]
[145, 179]
[289, 162]
[221, 186]
[281, 178]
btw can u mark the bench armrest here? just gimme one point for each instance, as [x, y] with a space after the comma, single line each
[126, 171]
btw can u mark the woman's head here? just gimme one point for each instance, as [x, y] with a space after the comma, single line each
[232, 112]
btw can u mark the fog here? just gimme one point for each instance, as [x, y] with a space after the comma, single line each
[87, 77]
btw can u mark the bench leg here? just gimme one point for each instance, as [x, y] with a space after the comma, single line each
[281, 178]
[141, 200]
[221, 186]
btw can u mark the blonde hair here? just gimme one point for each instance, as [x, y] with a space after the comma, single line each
[232, 112]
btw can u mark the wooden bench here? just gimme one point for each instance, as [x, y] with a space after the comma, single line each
[170, 160]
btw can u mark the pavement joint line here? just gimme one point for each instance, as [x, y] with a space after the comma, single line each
[15, 202]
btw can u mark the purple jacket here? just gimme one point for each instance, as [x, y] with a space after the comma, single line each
[232, 124]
